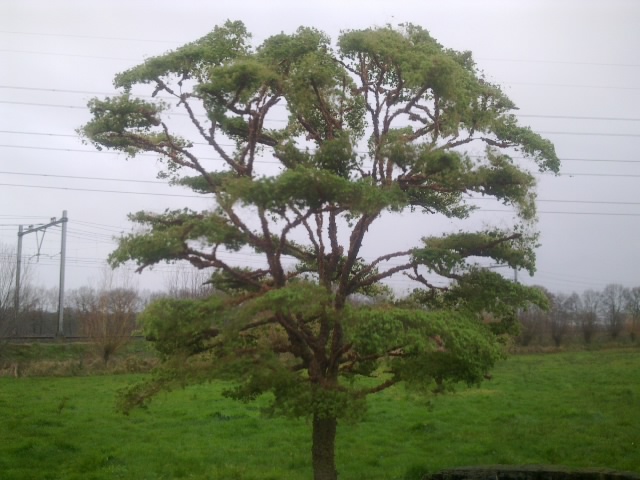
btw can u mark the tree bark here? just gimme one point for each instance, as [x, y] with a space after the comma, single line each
[323, 448]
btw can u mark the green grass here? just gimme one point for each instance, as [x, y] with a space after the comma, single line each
[579, 409]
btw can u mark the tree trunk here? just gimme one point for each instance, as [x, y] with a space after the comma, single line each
[323, 448]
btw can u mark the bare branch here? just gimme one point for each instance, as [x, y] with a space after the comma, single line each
[273, 258]
[204, 260]
[417, 277]
[378, 388]
[385, 258]
[355, 285]
[210, 137]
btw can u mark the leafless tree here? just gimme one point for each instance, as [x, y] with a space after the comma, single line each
[532, 322]
[188, 282]
[38, 308]
[7, 289]
[613, 308]
[588, 314]
[8, 315]
[107, 315]
[632, 308]
[563, 315]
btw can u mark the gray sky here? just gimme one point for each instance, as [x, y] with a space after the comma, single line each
[574, 60]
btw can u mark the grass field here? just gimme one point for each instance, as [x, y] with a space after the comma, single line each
[580, 409]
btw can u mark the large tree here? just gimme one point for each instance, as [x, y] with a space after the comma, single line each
[588, 317]
[632, 309]
[373, 126]
[613, 303]
[10, 320]
[7, 290]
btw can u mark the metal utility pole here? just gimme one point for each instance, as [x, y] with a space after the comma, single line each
[16, 305]
[63, 257]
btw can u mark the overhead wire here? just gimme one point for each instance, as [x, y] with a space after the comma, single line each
[273, 162]
[78, 189]
[108, 179]
[566, 85]
[202, 197]
[174, 42]
[522, 115]
[72, 55]
[93, 37]
[602, 134]
[51, 134]
[561, 62]
[531, 116]
[98, 225]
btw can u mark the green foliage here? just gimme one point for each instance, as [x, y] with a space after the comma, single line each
[313, 189]
[168, 235]
[289, 331]
[486, 291]
[423, 347]
[181, 326]
[114, 117]
[193, 60]
[506, 182]
[485, 295]
[449, 253]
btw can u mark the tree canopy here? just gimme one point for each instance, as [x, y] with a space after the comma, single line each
[378, 124]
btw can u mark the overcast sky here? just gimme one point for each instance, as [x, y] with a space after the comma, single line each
[572, 67]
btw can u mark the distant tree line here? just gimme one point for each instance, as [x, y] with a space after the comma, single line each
[612, 314]
[106, 314]
[103, 315]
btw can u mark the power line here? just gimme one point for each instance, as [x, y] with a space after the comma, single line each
[595, 160]
[103, 152]
[59, 149]
[561, 62]
[566, 85]
[623, 175]
[82, 92]
[569, 117]
[549, 212]
[100, 226]
[56, 90]
[76, 177]
[601, 134]
[109, 179]
[94, 37]
[23, 216]
[203, 197]
[30, 52]
[92, 92]
[590, 134]
[87, 92]
[32, 104]
[68, 135]
[76, 107]
[102, 191]
[592, 202]
[18, 132]
[508, 60]
[91, 234]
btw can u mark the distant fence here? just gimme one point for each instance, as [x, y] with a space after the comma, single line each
[529, 472]
[53, 338]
